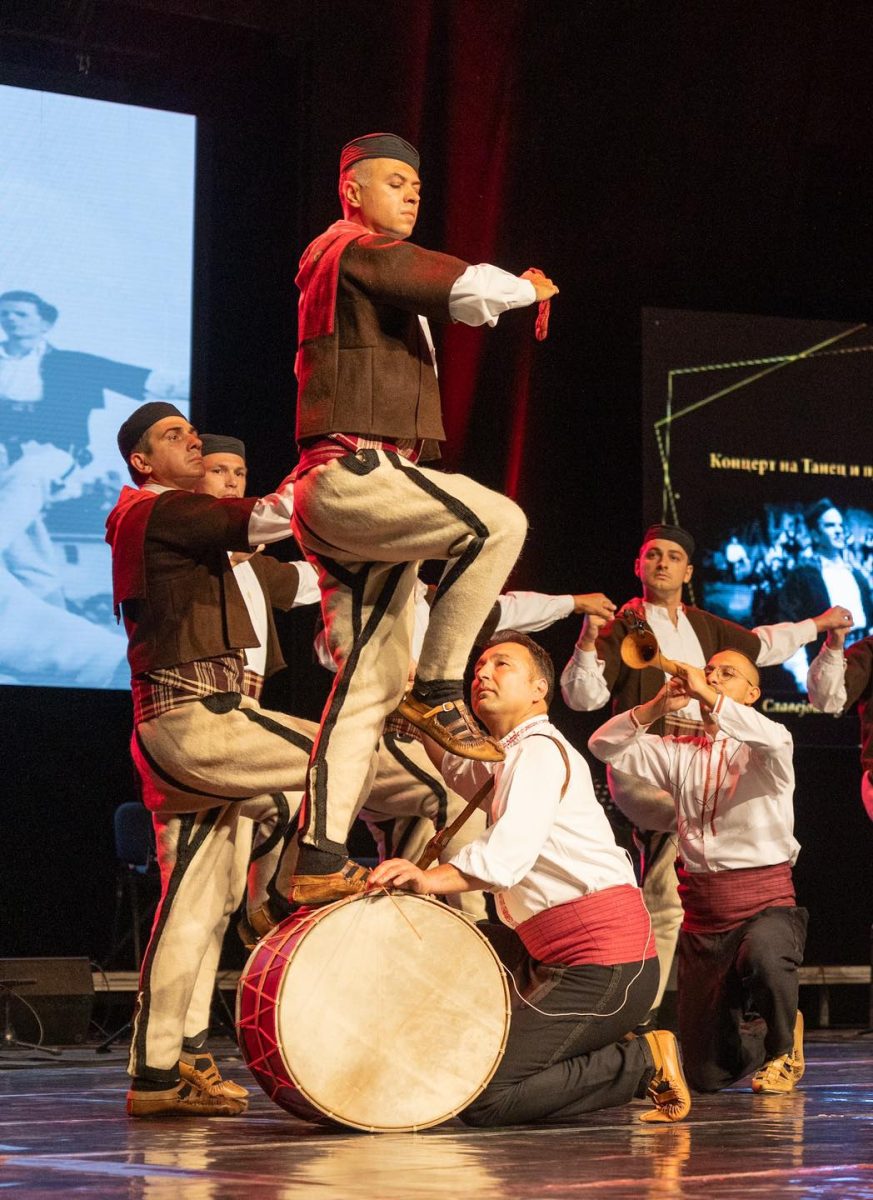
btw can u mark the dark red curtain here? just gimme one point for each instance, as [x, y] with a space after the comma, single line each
[449, 76]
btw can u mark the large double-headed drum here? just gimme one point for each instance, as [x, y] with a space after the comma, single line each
[383, 1012]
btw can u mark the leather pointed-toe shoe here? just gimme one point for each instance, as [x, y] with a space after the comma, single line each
[782, 1074]
[668, 1089]
[184, 1100]
[312, 890]
[201, 1069]
[452, 726]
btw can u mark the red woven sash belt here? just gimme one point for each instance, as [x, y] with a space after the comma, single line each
[716, 901]
[602, 929]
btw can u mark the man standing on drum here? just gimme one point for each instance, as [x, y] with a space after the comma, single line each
[365, 513]
[583, 953]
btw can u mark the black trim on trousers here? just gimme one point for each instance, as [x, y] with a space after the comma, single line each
[283, 817]
[189, 841]
[337, 570]
[337, 697]
[458, 509]
[300, 740]
[423, 776]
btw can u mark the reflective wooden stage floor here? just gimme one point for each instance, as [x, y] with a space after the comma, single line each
[63, 1130]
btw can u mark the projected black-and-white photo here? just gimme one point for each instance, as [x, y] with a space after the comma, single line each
[95, 318]
[792, 562]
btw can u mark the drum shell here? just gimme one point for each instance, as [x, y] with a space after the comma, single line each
[438, 981]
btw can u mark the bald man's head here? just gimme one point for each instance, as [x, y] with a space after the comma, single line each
[733, 674]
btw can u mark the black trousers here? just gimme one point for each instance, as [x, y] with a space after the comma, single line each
[556, 1068]
[738, 996]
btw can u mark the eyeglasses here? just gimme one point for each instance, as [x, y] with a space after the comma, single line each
[725, 674]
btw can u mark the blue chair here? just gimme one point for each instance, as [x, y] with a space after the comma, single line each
[135, 878]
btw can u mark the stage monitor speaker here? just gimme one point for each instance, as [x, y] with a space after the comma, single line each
[45, 1001]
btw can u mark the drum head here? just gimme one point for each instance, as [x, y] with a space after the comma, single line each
[393, 1012]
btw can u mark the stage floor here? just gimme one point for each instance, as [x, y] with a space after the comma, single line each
[63, 1130]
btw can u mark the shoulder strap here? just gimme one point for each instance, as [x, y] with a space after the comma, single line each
[435, 846]
[565, 757]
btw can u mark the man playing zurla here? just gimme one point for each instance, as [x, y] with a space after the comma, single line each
[742, 935]
[686, 634]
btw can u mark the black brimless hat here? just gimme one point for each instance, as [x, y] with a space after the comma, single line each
[217, 443]
[141, 420]
[670, 533]
[378, 145]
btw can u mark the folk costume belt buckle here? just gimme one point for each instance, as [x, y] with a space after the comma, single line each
[362, 462]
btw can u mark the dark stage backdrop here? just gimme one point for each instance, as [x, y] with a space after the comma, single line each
[645, 154]
[743, 443]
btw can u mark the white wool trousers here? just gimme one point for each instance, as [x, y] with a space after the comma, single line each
[409, 802]
[212, 772]
[366, 521]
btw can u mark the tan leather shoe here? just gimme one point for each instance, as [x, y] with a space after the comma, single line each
[202, 1070]
[782, 1074]
[246, 934]
[255, 925]
[262, 920]
[183, 1100]
[399, 726]
[668, 1089]
[325, 889]
[451, 725]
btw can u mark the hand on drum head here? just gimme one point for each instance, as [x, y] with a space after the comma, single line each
[398, 873]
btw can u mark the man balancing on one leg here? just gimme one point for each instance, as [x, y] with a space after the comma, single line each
[365, 512]
[583, 952]
[742, 935]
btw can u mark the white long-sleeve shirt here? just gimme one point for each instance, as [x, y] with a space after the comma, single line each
[826, 681]
[271, 517]
[256, 605]
[483, 292]
[529, 612]
[539, 850]
[479, 296]
[734, 792]
[584, 687]
[525, 611]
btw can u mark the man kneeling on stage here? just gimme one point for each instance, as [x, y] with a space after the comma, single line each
[742, 935]
[583, 954]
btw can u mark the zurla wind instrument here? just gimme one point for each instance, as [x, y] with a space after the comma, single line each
[639, 648]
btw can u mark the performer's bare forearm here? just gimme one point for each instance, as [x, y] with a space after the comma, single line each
[444, 880]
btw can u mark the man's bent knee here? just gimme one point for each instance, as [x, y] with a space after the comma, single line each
[512, 521]
[482, 1112]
